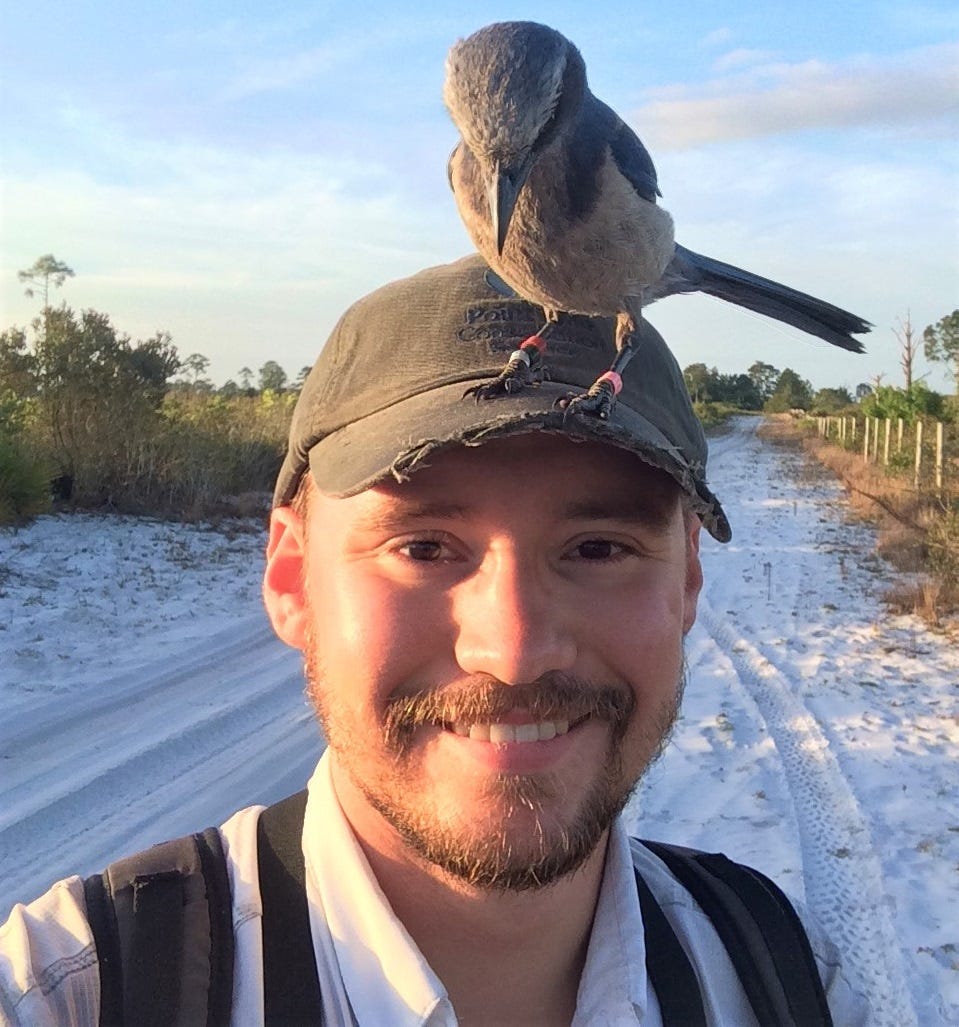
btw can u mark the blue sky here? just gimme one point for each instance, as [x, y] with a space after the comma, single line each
[237, 174]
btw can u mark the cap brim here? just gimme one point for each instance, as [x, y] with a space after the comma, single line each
[394, 442]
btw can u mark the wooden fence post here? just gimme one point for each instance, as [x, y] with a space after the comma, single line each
[885, 448]
[918, 453]
[865, 439]
[875, 440]
[940, 440]
[854, 425]
[899, 436]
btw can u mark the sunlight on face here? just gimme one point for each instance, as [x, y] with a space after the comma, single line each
[494, 650]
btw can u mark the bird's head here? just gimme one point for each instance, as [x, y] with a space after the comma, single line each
[513, 89]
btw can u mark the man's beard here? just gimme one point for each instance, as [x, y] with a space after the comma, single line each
[489, 859]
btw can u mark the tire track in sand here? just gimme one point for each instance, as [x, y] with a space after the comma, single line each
[842, 873]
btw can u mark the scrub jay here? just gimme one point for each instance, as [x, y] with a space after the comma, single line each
[559, 195]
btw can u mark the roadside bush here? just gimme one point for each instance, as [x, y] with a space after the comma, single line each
[24, 483]
[217, 446]
[887, 401]
[83, 404]
[711, 415]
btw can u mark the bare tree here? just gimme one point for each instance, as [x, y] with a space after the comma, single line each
[908, 346]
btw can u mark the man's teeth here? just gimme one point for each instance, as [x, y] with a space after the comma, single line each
[502, 733]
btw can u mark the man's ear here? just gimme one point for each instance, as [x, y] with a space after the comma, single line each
[694, 571]
[284, 578]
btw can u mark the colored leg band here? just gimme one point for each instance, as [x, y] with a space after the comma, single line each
[614, 379]
[536, 342]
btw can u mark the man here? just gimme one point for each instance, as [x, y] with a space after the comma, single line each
[491, 600]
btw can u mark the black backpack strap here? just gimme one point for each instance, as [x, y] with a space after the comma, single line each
[761, 931]
[668, 966]
[162, 921]
[291, 987]
[106, 938]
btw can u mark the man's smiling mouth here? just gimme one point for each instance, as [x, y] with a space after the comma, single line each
[499, 733]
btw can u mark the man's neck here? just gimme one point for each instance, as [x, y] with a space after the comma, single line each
[505, 958]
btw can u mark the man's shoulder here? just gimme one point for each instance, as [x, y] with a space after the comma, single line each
[48, 961]
[670, 874]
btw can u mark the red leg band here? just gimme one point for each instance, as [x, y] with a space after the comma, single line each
[614, 379]
[536, 341]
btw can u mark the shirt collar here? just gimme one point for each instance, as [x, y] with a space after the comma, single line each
[384, 974]
[614, 986]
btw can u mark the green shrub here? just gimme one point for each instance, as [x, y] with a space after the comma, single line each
[901, 462]
[24, 484]
[887, 401]
[713, 414]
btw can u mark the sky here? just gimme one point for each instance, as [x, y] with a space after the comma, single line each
[237, 174]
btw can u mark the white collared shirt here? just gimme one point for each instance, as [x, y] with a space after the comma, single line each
[371, 971]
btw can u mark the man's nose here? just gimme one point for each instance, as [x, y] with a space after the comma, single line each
[513, 622]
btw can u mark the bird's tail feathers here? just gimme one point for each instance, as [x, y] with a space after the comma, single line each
[691, 272]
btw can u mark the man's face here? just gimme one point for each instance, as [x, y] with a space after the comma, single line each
[494, 648]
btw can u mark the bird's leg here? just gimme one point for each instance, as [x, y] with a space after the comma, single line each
[525, 367]
[599, 399]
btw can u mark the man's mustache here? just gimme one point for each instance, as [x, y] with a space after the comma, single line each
[481, 699]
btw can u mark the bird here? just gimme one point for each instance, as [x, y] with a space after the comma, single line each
[561, 198]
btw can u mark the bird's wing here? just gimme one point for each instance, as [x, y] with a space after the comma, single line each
[631, 157]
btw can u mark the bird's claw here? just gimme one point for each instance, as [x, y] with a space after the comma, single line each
[493, 390]
[512, 379]
[598, 401]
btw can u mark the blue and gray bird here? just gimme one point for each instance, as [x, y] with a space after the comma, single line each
[559, 195]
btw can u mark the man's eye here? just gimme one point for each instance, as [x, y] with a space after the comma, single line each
[423, 550]
[598, 549]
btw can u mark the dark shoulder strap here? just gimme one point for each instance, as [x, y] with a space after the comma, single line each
[162, 921]
[103, 926]
[761, 931]
[668, 966]
[291, 988]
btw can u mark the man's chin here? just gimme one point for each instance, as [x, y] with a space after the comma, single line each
[516, 839]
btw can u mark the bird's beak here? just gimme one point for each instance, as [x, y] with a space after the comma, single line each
[503, 191]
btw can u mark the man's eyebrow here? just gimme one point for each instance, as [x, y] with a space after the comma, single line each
[403, 511]
[650, 510]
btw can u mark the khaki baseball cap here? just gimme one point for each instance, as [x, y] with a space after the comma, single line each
[387, 390]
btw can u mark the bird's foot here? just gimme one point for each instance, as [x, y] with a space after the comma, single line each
[597, 401]
[524, 369]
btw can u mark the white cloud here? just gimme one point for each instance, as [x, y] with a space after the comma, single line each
[921, 86]
[741, 58]
[287, 72]
[716, 38]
